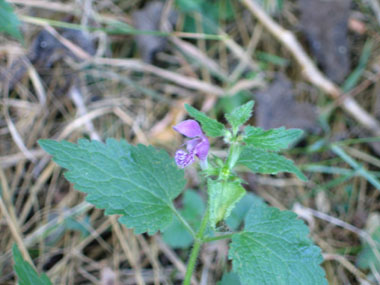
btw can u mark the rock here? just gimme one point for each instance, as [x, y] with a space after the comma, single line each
[325, 25]
[277, 107]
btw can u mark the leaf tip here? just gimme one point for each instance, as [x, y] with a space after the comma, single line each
[302, 176]
[45, 144]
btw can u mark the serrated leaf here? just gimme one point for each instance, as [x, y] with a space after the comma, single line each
[9, 22]
[240, 115]
[222, 199]
[259, 161]
[176, 235]
[275, 249]
[137, 182]
[25, 273]
[273, 139]
[229, 278]
[211, 127]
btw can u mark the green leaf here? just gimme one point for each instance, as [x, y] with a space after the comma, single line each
[240, 211]
[229, 278]
[210, 11]
[25, 272]
[275, 249]
[176, 235]
[9, 22]
[137, 182]
[71, 223]
[273, 139]
[211, 127]
[265, 57]
[187, 6]
[222, 199]
[240, 115]
[227, 104]
[259, 161]
[355, 76]
[368, 256]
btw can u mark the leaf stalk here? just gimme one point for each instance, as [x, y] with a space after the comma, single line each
[195, 250]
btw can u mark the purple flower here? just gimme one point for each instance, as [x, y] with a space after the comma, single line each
[198, 146]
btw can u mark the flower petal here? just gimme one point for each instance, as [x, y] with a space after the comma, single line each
[183, 159]
[192, 144]
[189, 128]
[202, 148]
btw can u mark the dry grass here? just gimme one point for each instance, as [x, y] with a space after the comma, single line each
[115, 94]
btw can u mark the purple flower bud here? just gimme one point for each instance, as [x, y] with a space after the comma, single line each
[198, 146]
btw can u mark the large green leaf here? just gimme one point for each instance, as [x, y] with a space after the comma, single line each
[229, 278]
[240, 115]
[211, 127]
[25, 273]
[259, 161]
[222, 199]
[9, 22]
[137, 182]
[176, 235]
[274, 139]
[275, 249]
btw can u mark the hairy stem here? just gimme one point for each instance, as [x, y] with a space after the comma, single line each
[195, 250]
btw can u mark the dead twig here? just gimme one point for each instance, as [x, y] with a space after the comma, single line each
[200, 56]
[48, 5]
[127, 250]
[14, 159]
[77, 98]
[137, 65]
[360, 276]
[172, 256]
[11, 219]
[310, 71]
[17, 138]
[335, 221]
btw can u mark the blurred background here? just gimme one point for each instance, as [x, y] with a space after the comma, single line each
[124, 69]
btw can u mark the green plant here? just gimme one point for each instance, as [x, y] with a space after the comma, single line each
[9, 22]
[139, 183]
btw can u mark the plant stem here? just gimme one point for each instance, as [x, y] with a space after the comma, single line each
[195, 250]
[224, 236]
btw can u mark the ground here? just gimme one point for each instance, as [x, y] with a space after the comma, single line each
[90, 69]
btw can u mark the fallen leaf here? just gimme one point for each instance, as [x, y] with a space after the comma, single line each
[148, 19]
[325, 24]
[276, 107]
[44, 51]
